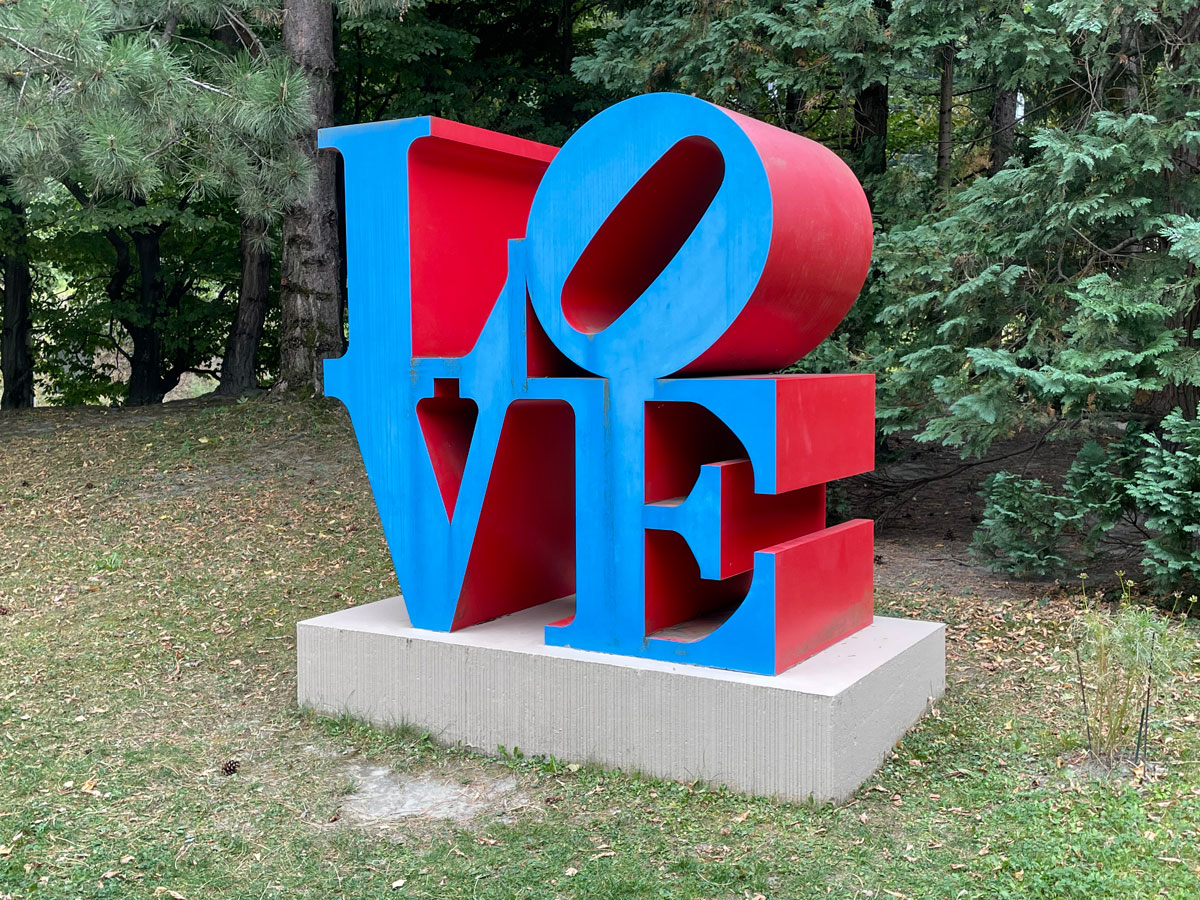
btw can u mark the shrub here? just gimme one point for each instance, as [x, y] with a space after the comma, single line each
[1031, 528]
[1023, 524]
[1167, 488]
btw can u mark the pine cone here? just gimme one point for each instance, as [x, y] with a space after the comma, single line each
[231, 766]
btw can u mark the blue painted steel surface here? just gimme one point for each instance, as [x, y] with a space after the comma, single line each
[627, 347]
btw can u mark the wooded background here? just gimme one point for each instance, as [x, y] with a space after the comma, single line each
[1031, 166]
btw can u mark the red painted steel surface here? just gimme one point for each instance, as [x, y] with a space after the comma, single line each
[819, 256]
[469, 193]
[824, 589]
[545, 432]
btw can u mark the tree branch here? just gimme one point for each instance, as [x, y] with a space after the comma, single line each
[245, 34]
[169, 30]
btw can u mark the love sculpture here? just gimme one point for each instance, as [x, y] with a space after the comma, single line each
[558, 376]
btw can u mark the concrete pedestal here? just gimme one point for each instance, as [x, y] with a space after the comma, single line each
[816, 731]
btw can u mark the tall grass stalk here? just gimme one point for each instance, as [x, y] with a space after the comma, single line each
[1120, 655]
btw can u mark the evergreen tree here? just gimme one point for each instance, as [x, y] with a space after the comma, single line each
[503, 65]
[137, 115]
[1037, 248]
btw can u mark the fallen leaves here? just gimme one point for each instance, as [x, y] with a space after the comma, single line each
[204, 574]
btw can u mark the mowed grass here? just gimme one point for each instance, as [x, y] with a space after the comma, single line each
[153, 565]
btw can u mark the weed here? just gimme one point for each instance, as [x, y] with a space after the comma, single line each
[110, 561]
[1120, 656]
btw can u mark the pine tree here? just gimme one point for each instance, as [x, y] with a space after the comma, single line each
[311, 296]
[139, 116]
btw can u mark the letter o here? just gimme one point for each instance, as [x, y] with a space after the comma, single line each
[670, 235]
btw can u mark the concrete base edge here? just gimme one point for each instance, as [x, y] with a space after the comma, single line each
[815, 732]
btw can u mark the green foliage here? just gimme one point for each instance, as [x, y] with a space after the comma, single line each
[110, 561]
[499, 65]
[1010, 311]
[1031, 528]
[86, 352]
[137, 136]
[1167, 487]
[1023, 525]
[795, 64]
[1053, 288]
[100, 93]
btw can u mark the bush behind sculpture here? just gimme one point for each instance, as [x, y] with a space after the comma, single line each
[1148, 481]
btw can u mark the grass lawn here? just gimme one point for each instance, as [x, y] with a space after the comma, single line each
[153, 564]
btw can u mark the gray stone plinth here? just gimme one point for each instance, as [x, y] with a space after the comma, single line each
[817, 731]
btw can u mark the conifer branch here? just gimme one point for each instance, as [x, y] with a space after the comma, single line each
[247, 35]
[204, 85]
[36, 52]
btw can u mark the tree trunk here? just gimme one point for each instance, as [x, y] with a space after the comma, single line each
[1186, 395]
[945, 118]
[566, 35]
[868, 140]
[239, 369]
[1004, 121]
[311, 286]
[1131, 52]
[145, 365]
[239, 366]
[16, 333]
